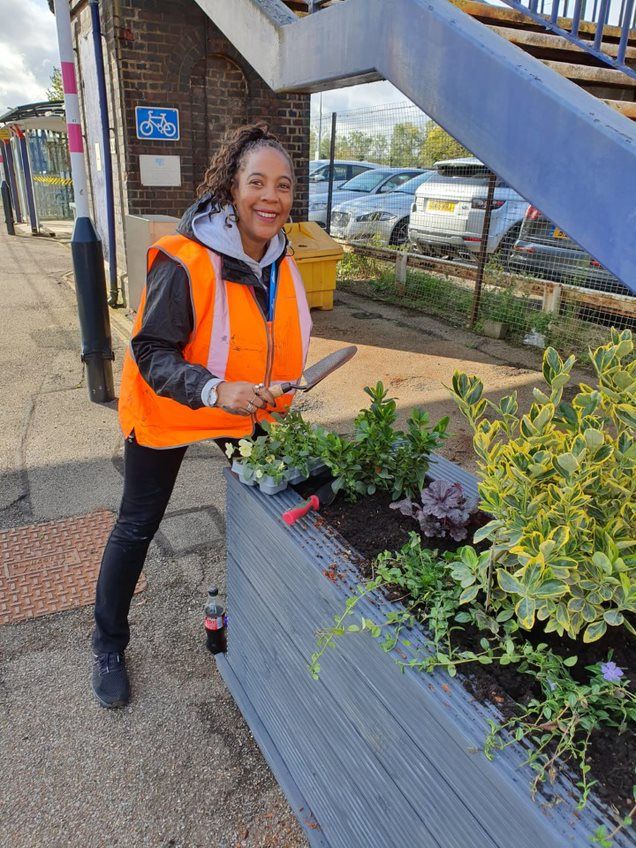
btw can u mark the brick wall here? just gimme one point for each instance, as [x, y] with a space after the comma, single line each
[168, 53]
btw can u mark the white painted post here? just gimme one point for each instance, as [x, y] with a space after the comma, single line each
[71, 105]
[400, 271]
[86, 247]
[551, 298]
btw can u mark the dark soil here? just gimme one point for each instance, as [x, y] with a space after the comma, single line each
[370, 527]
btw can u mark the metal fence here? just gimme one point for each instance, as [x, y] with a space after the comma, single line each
[430, 226]
[51, 171]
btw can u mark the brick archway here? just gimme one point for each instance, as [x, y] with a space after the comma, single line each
[219, 94]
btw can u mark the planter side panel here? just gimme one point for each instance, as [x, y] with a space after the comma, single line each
[371, 750]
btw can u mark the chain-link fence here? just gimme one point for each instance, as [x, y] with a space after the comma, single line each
[431, 226]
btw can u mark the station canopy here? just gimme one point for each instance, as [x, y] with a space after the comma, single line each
[48, 115]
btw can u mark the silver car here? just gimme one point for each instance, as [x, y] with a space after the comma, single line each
[377, 181]
[381, 217]
[447, 217]
[343, 170]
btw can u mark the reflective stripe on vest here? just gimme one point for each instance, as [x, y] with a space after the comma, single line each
[231, 338]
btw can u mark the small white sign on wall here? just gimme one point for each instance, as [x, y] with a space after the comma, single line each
[160, 170]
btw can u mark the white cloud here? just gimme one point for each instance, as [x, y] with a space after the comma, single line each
[365, 96]
[28, 51]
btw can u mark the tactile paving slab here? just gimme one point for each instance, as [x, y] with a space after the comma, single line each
[52, 566]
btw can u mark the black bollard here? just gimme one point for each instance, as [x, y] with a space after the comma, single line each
[90, 288]
[8, 211]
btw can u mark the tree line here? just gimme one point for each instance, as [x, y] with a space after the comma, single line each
[406, 145]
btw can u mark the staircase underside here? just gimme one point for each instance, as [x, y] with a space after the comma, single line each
[560, 147]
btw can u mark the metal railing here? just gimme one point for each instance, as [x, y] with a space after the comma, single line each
[599, 17]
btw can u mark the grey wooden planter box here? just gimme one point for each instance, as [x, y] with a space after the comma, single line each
[368, 756]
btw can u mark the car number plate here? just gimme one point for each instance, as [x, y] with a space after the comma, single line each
[557, 233]
[440, 206]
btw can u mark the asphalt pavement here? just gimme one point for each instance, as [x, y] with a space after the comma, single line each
[178, 767]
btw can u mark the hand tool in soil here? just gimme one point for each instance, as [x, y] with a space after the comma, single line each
[323, 368]
[322, 497]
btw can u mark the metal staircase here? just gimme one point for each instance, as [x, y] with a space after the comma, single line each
[562, 148]
[571, 59]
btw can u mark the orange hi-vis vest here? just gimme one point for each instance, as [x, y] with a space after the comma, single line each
[231, 337]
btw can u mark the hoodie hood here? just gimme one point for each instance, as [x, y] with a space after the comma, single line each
[211, 224]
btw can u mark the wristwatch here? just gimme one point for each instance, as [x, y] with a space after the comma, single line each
[209, 395]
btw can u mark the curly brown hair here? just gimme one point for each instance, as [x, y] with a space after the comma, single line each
[230, 158]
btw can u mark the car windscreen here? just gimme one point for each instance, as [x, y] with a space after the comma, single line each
[367, 181]
[411, 186]
[475, 175]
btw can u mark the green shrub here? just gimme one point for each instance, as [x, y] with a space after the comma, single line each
[560, 485]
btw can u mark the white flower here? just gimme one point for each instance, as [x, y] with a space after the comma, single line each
[229, 450]
[259, 474]
[245, 448]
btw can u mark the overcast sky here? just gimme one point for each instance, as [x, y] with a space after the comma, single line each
[28, 53]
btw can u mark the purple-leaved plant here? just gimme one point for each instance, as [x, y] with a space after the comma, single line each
[444, 510]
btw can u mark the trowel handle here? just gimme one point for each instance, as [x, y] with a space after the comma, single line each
[278, 389]
[292, 515]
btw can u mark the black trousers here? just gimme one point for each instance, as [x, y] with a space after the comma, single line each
[149, 478]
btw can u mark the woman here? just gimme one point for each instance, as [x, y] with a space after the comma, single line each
[222, 318]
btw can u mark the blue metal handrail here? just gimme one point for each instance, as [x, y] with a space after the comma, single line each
[535, 10]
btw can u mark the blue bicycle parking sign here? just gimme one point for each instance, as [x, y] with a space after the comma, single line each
[156, 123]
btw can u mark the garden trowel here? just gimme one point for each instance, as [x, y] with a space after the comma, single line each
[323, 497]
[323, 368]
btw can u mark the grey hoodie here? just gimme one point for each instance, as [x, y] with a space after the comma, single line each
[168, 320]
[218, 231]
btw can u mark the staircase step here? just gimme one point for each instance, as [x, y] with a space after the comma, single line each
[496, 14]
[590, 74]
[624, 107]
[547, 41]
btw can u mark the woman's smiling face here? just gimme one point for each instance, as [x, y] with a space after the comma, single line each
[263, 194]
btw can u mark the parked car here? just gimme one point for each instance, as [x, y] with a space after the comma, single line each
[382, 217]
[447, 218]
[544, 250]
[343, 170]
[376, 181]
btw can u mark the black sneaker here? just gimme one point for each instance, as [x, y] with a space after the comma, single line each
[110, 680]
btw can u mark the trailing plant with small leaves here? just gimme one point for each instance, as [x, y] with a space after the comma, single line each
[443, 510]
[558, 722]
[560, 483]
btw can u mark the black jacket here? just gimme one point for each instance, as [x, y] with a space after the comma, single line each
[168, 320]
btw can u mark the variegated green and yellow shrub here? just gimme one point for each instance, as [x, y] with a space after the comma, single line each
[560, 485]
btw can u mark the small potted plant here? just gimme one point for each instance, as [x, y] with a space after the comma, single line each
[271, 475]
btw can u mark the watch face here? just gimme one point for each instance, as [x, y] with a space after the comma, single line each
[212, 397]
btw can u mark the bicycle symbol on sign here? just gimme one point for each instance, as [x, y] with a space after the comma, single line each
[157, 122]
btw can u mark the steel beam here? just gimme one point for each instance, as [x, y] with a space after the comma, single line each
[565, 151]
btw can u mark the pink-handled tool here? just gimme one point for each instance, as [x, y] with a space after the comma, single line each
[323, 497]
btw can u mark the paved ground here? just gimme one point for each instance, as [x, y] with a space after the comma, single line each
[178, 767]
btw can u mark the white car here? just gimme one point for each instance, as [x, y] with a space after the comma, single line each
[381, 217]
[377, 181]
[447, 218]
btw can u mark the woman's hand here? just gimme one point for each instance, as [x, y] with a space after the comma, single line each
[243, 398]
